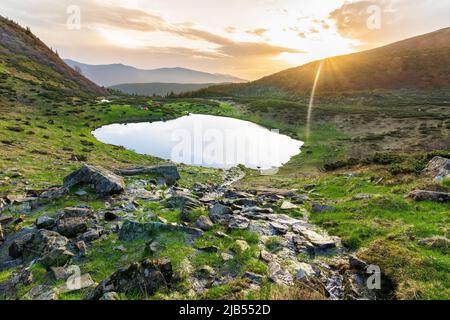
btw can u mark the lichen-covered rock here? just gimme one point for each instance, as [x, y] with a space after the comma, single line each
[220, 214]
[424, 195]
[71, 227]
[183, 200]
[438, 167]
[101, 180]
[45, 222]
[143, 278]
[204, 223]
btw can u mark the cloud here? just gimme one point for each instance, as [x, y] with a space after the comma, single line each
[257, 32]
[377, 22]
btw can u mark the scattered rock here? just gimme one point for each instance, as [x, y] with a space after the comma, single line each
[357, 264]
[81, 193]
[205, 272]
[45, 222]
[321, 242]
[110, 296]
[102, 180]
[266, 256]
[56, 257]
[226, 256]
[76, 283]
[204, 223]
[220, 214]
[59, 273]
[361, 196]
[132, 230]
[167, 170]
[54, 193]
[42, 292]
[209, 249]
[319, 208]
[286, 205]
[91, 235]
[439, 168]
[154, 247]
[279, 228]
[436, 242]
[110, 216]
[81, 247]
[253, 277]
[238, 223]
[242, 245]
[423, 195]
[183, 200]
[144, 278]
[77, 212]
[71, 227]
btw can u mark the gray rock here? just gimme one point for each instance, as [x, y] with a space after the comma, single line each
[279, 228]
[45, 222]
[144, 277]
[102, 180]
[166, 170]
[132, 230]
[183, 200]
[238, 223]
[253, 277]
[56, 257]
[91, 235]
[77, 212]
[41, 292]
[110, 296]
[423, 195]
[71, 227]
[438, 167]
[204, 223]
[321, 242]
[76, 283]
[319, 208]
[220, 214]
[59, 273]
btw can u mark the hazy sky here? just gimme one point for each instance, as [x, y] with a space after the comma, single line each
[246, 38]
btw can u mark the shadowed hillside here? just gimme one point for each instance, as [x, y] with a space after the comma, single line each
[27, 64]
[421, 62]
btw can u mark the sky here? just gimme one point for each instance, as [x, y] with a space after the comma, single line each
[249, 39]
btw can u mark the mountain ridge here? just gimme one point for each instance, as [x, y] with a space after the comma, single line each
[116, 74]
[420, 62]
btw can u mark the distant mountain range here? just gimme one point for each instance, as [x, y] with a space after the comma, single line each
[422, 62]
[160, 89]
[114, 74]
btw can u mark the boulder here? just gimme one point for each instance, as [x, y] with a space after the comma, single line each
[91, 235]
[145, 277]
[49, 246]
[220, 214]
[166, 170]
[45, 222]
[238, 223]
[77, 212]
[132, 230]
[204, 223]
[76, 283]
[424, 195]
[41, 292]
[101, 180]
[71, 227]
[321, 242]
[183, 200]
[438, 167]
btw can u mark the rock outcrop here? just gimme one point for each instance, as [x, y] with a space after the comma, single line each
[100, 179]
[143, 278]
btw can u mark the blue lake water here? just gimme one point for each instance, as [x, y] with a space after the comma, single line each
[204, 140]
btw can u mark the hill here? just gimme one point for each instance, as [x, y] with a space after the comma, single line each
[26, 63]
[114, 74]
[421, 62]
[159, 89]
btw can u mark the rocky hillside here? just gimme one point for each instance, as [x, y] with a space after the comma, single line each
[28, 66]
[422, 62]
